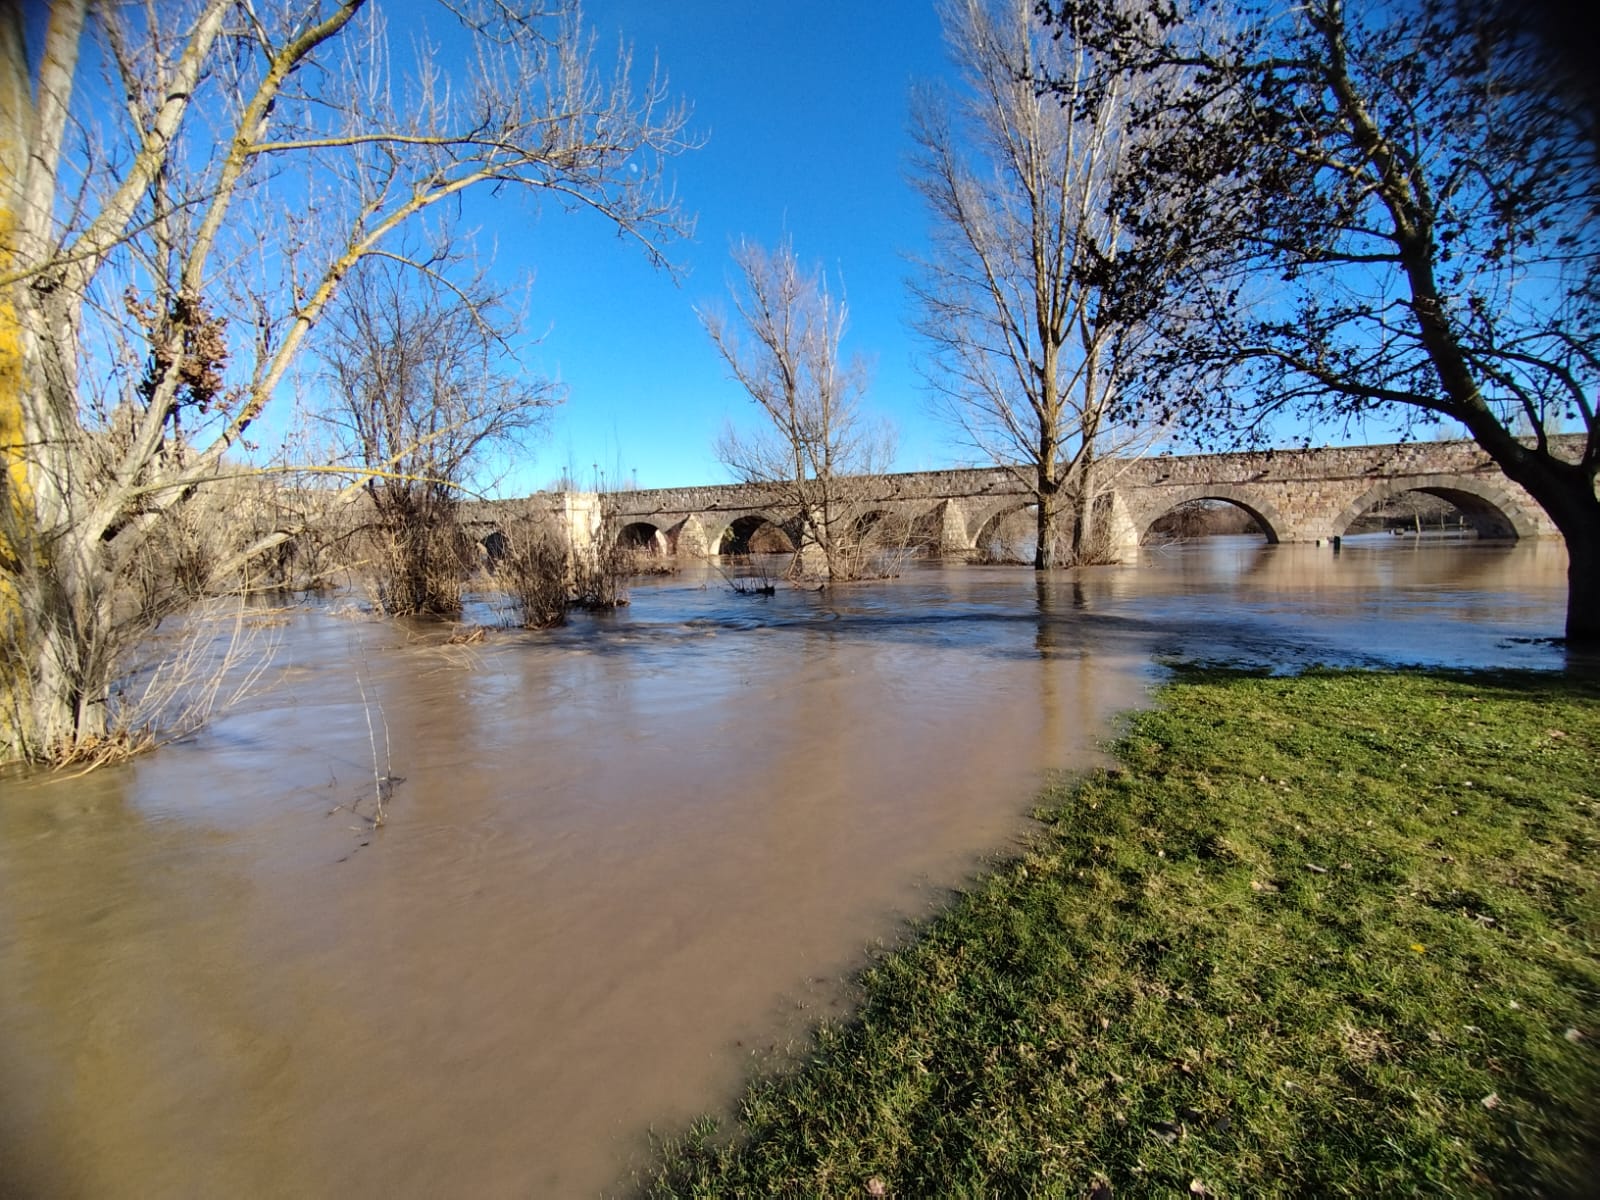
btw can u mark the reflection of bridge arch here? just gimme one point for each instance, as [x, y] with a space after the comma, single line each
[1488, 509]
[1272, 522]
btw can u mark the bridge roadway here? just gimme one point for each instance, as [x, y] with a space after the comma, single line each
[1295, 496]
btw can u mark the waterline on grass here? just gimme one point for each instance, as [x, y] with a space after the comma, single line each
[1321, 935]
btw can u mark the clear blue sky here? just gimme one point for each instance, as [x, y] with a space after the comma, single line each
[803, 108]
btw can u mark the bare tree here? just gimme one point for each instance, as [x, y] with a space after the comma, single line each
[172, 230]
[783, 347]
[1032, 357]
[1387, 211]
[424, 383]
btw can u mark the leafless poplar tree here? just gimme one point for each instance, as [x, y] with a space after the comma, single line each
[1029, 358]
[783, 347]
[172, 229]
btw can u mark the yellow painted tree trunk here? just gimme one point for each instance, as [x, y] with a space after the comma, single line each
[16, 117]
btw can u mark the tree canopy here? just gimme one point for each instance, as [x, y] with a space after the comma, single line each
[1386, 211]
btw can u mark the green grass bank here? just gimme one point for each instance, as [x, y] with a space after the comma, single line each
[1329, 935]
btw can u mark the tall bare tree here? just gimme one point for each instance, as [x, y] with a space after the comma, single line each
[188, 185]
[783, 347]
[424, 387]
[1030, 355]
[1388, 210]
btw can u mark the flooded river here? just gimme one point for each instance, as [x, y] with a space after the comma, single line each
[625, 859]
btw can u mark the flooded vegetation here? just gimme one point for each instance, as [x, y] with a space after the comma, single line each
[625, 863]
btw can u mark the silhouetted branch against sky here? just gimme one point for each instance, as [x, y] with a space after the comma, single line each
[1386, 210]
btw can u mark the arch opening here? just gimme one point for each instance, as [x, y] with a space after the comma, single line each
[938, 529]
[1198, 505]
[1010, 536]
[1431, 510]
[883, 530]
[865, 525]
[641, 537]
[755, 534]
[1204, 517]
[496, 545]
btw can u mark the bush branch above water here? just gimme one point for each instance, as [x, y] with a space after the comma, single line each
[1326, 935]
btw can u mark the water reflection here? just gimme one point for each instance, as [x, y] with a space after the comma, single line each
[623, 856]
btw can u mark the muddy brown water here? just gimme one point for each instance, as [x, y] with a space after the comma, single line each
[628, 862]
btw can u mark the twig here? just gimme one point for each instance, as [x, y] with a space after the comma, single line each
[372, 740]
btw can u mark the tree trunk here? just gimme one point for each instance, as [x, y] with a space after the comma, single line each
[1583, 585]
[1566, 492]
[1082, 524]
[66, 710]
[1048, 489]
[60, 671]
[1049, 521]
[60, 657]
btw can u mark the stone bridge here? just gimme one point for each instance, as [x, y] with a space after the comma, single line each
[1294, 495]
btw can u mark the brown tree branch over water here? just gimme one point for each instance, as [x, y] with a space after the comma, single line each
[186, 188]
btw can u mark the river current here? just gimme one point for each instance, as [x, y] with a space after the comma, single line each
[623, 864]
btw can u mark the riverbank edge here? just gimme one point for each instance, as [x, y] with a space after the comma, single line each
[1335, 933]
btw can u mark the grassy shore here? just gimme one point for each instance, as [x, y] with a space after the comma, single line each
[1333, 935]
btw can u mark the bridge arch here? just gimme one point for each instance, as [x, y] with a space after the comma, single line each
[888, 527]
[866, 519]
[982, 518]
[993, 528]
[1266, 514]
[1489, 509]
[645, 536]
[744, 526]
[495, 545]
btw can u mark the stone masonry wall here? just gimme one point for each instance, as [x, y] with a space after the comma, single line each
[1298, 495]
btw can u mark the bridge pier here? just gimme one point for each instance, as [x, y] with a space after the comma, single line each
[689, 539]
[1122, 535]
[951, 535]
[580, 516]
